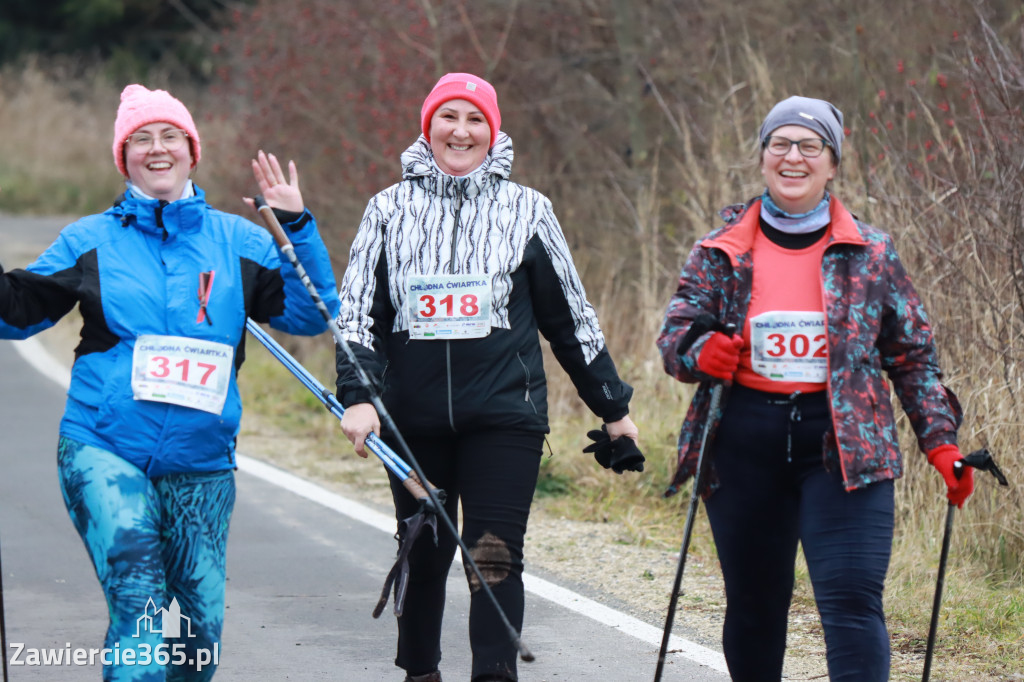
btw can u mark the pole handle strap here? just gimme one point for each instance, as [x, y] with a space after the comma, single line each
[409, 530]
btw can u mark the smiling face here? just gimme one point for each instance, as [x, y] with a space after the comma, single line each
[795, 182]
[157, 171]
[460, 137]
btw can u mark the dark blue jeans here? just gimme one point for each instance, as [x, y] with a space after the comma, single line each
[494, 474]
[776, 491]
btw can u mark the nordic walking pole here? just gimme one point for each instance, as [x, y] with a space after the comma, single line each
[391, 461]
[413, 525]
[283, 243]
[698, 481]
[981, 460]
[940, 583]
[3, 626]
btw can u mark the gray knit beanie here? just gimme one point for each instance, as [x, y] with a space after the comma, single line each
[816, 114]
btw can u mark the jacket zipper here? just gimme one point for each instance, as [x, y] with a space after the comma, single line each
[459, 195]
[526, 393]
[160, 219]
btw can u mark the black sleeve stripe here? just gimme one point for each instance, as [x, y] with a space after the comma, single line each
[264, 290]
[96, 335]
[28, 298]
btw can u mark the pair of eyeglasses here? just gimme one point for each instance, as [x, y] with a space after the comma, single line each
[810, 147]
[171, 140]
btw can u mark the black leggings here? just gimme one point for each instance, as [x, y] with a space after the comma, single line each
[494, 474]
[775, 492]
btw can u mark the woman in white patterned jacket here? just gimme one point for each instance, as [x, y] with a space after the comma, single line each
[453, 272]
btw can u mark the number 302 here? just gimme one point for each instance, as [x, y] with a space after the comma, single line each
[798, 346]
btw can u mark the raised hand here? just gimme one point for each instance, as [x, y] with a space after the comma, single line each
[279, 191]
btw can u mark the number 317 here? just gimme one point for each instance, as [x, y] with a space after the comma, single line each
[161, 368]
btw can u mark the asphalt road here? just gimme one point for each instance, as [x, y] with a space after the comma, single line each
[305, 568]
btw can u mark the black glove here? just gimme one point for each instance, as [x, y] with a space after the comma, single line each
[619, 455]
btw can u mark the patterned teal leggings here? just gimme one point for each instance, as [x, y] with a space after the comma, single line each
[159, 549]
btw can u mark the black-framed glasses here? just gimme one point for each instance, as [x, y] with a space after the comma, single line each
[171, 140]
[810, 147]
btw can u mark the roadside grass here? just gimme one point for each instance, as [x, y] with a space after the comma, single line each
[55, 157]
[57, 132]
[981, 627]
[55, 151]
[286, 425]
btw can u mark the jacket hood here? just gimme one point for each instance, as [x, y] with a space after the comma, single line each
[736, 237]
[158, 216]
[418, 163]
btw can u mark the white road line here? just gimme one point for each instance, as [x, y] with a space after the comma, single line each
[36, 355]
[33, 353]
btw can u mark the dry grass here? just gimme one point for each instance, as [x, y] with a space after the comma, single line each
[959, 248]
[55, 153]
[980, 630]
[56, 130]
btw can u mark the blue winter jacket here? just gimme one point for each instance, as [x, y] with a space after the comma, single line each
[135, 269]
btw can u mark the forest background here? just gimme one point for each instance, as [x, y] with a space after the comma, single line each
[638, 118]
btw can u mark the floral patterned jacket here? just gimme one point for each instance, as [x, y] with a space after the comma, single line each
[875, 322]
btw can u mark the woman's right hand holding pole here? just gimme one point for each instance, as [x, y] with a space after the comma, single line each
[358, 422]
[720, 356]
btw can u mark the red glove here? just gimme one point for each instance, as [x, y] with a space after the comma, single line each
[958, 489]
[720, 355]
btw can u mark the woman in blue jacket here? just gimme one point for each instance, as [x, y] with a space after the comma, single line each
[164, 283]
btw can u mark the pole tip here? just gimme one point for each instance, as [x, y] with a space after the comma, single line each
[524, 653]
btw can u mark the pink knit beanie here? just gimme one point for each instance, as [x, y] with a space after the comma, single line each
[140, 107]
[463, 86]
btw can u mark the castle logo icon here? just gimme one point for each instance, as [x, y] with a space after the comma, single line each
[166, 622]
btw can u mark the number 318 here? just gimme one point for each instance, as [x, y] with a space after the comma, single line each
[429, 306]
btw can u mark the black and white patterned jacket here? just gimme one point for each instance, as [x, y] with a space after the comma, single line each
[433, 223]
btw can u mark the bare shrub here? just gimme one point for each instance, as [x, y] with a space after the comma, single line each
[58, 122]
[949, 151]
[638, 118]
[339, 86]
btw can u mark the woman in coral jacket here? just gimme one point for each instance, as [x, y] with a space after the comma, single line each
[164, 283]
[452, 273]
[804, 447]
